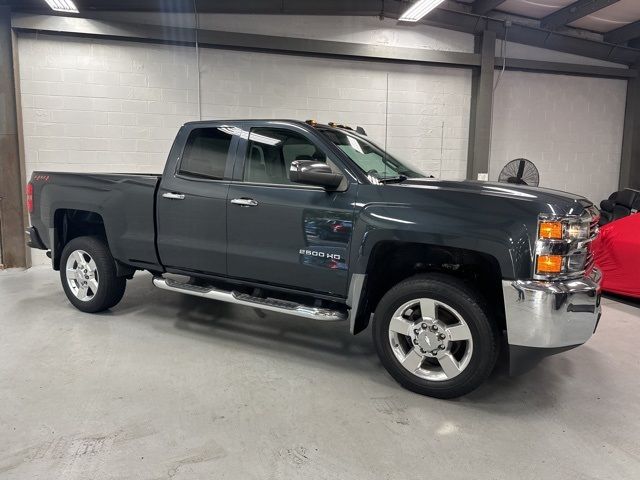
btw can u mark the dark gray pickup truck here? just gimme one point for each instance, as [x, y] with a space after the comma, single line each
[317, 221]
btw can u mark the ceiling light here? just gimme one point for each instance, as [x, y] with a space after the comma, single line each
[419, 9]
[62, 6]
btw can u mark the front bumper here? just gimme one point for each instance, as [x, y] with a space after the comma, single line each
[548, 317]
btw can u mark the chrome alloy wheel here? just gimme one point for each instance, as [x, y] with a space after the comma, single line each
[82, 275]
[430, 339]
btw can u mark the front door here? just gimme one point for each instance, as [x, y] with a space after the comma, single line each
[191, 204]
[280, 232]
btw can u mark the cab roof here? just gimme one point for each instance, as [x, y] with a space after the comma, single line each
[311, 123]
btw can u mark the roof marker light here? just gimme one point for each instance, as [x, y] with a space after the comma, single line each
[419, 9]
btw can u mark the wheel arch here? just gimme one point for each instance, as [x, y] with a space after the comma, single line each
[70, 223]
[391, 262]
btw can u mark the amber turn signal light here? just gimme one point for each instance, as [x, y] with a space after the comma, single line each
[550, 230]
[549, 264]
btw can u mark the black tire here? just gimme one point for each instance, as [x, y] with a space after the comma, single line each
[457, 294]
[110, 287]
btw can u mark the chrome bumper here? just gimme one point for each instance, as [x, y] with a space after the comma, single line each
[552, 314]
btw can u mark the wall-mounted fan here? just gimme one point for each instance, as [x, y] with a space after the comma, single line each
[521, 172]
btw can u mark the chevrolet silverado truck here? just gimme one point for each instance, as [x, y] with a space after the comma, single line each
[318, 222]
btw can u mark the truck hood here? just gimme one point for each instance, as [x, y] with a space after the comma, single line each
[556, 199]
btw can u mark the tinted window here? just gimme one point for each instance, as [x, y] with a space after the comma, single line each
[271, 151]
[369, 157]
[205, 154]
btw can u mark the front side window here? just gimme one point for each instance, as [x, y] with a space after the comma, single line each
[370, 158]
[205, 153]
[270, 152]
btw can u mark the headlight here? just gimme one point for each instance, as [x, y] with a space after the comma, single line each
[572, 229]
[562, 244]
[578, 230]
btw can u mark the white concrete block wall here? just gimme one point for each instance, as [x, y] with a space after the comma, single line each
[421, 100]
[102, 106]
[570, 127]
[116, 106]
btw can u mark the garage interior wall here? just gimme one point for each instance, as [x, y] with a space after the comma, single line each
[113, 106]
[570, 127]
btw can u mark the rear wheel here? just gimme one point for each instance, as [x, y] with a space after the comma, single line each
[433, 336]
[88, 275]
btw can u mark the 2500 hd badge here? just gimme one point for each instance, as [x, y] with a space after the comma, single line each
[314, 253]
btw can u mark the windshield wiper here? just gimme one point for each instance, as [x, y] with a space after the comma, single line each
[396, 179]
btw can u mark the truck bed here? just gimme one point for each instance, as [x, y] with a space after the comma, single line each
[124, 201]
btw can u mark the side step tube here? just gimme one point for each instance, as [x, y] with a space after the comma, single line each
[275, 305]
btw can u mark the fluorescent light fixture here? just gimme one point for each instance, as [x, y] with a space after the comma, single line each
[419, 9]
[62, 6]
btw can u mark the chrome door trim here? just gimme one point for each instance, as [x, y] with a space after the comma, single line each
[173, 195]
[244, 202]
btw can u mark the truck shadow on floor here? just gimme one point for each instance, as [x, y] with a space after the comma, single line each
[326, 343]
[632, 302]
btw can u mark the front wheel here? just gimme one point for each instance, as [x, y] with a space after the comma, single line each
[88, 275]
[433, 336]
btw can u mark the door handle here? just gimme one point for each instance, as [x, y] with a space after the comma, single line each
[244, 202]
[173, 195]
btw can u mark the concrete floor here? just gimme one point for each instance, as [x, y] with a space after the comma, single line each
[171, 386]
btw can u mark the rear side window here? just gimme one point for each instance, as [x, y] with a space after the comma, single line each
[205, 153]
[270, 153]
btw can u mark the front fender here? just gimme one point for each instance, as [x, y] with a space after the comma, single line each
[507, 240]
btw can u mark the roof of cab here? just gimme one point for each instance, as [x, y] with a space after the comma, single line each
[213, 120]
[310, 123]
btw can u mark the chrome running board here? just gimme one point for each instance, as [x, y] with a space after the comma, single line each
[273, 304]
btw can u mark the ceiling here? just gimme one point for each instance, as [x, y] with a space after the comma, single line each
[613, 14]
[607, 29]
[533, 8]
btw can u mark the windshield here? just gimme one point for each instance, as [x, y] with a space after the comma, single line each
[369, 157]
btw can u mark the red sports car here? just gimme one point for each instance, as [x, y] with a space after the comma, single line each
[617, 254]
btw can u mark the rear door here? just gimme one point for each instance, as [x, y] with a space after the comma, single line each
[191, 201]
[280, 232]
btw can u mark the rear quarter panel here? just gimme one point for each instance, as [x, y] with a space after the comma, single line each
[126, 203]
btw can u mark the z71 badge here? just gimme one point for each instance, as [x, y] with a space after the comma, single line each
[315, 253]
